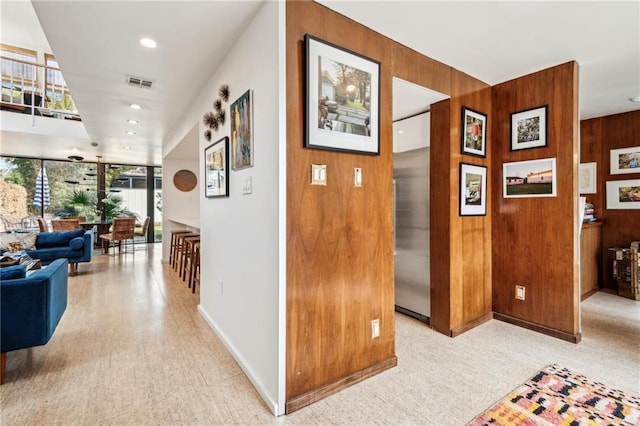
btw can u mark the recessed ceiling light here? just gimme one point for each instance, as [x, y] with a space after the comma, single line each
[148, 42]
[130, 133]
[126, 147]
[132, 121]
[135, 106]
[635, 99]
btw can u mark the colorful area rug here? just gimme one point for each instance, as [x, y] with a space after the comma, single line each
[558, 396]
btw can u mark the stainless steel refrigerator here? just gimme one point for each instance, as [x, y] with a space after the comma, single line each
[411, 216]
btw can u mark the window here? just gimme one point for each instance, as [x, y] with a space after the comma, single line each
[57, 93]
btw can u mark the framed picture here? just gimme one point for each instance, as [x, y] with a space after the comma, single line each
[216, 169]
[625, 160]
[587, 178]
[529, 128]
[623, 194]
[473, 190]
[242, 131]
[342, 99]
[533, 178]
[474, 132]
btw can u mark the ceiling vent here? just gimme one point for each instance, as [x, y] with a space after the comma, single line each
[139, 82]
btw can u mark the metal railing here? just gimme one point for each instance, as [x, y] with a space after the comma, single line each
[23, 90]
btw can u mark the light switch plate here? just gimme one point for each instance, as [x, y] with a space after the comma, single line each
[357, 177]
[247, 185]
[318, 174]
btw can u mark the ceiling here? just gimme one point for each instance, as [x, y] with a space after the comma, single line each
[96, 45]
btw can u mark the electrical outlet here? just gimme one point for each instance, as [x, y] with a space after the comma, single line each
[520, 292]
[375, 328]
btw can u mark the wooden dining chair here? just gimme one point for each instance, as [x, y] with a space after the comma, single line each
[65, 224]
[42, 225]
[141, 231]
[121, 230]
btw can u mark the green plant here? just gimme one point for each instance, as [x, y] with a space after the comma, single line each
[112, 207]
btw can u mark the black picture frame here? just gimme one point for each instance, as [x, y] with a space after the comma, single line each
[474, 132]
[342, 110]
[216, 169]
[473, 190]
[529, 128]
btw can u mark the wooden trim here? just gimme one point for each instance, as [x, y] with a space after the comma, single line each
[470, 324]
[324, 391]
[572, 338]
[589, 294]
[3, 366]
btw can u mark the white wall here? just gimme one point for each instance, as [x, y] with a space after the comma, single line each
[240, 279]
[176, 204]
[412, 133]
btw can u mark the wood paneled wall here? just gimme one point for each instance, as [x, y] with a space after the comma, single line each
[340, 238]
[535, 240]
[598, 137]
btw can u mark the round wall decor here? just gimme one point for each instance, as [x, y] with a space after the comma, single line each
[185, 180]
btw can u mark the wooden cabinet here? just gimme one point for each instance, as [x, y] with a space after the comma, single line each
[590, 259]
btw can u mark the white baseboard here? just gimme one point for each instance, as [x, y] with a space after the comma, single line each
[271, 404]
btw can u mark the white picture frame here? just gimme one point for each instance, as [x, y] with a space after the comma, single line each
[625, 160]
[623, 194]
[532, 178]
[587, 178]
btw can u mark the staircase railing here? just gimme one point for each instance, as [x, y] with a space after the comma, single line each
[25, 89]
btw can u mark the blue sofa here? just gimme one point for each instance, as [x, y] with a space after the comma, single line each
[76, 246]
[30, 307]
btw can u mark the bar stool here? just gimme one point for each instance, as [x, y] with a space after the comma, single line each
[192, 269]
[180, 247]
[174, 246]
[187, 252]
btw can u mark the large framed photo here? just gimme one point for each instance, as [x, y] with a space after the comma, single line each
[623, 194]
[216, 169]
[625, 160]
[533, 178]
[242, 131]
[474, 132]
[587, 178]
[473, 190]
[529, 128]
[342, 99]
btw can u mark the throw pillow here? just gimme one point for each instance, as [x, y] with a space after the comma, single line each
[76, 243]
[28, 239]
[13, 272]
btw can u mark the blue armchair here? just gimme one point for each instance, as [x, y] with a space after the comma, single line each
[30, 307]
[76, 246]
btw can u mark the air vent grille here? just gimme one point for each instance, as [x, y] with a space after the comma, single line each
[139, 82]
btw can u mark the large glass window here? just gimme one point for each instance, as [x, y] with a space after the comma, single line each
[31, 188]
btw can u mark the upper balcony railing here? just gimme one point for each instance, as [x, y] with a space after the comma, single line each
[23, 90]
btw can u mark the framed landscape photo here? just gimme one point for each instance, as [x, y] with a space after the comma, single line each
[473, 190]
[342, 99]
[474, 132]
[625, 160]
[533, 178]
[242, 132]
[623, 194]
[529, 128]
[216, 169]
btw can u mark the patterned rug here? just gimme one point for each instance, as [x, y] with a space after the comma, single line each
[558, 396]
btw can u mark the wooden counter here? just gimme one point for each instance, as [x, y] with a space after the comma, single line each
[590, 259]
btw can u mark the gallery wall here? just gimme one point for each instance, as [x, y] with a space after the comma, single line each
[598, 136]
[340, 238]
[534, 240]
[240, 279]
